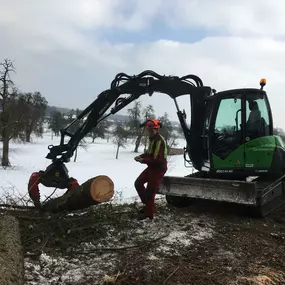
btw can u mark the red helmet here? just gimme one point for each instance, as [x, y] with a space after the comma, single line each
[153, 124]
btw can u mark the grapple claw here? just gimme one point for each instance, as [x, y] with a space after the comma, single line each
[33, 189]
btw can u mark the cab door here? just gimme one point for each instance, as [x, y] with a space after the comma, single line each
[227, 147]
[259, 144]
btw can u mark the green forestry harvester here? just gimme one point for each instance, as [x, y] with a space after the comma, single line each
[229, 142]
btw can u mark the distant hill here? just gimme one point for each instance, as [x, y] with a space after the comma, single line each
[51, 109]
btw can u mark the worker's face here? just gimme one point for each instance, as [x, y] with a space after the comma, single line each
[151, 132]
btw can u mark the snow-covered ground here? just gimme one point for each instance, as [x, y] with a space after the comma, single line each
[101, 245]
[95, 159]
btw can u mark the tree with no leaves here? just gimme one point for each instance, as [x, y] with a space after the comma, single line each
[100, 131]
[279, 132]
[56, 123]
[8, 102]
[147, 114]
[135, 115]
[33, 106]
[167, 130]
[120, 136]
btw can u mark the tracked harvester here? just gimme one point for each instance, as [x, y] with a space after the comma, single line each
[229, 142]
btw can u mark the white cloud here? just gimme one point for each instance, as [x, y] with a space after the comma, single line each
[255, 17]
[59, 46]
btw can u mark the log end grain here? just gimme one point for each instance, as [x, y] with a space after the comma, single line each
[102, 188]
[94, 191]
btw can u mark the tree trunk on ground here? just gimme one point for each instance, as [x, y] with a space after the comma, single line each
[5, 152]
[138, 142]
[94, 191]
[117, 153]
[11, 252]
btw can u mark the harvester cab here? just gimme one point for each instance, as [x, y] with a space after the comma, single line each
[237, 136]
[230, 138]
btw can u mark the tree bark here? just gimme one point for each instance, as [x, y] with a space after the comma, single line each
[28, 136]
[138, 142]
[11, 252]
[94, 191]
[75, 157]
[117, 153]
[5, 151]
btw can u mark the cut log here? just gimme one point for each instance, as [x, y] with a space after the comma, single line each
[11, 252]
[94, 191]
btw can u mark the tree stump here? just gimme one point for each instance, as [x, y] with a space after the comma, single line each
[94, 191]
[11, 252]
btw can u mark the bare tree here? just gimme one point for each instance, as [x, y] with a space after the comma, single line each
[120, 137]
[56, 123]
[279, 132]
[33, 106]
[82, 144]
[136, 132]
[100, 131]
[8, 96]
[148, 114]
[168, 131]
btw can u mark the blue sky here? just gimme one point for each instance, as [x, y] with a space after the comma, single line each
[156, 32]
[71, 50]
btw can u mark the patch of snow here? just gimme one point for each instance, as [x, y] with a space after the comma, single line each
[181, 237]
[178, 236]
[49, 270]
[93, 159]
[152, 257]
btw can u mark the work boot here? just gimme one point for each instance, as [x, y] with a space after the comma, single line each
[143, 216]
[142, 210]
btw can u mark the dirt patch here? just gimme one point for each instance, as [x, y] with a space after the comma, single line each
[107, 245]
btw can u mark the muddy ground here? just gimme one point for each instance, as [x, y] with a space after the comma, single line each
[203, 244]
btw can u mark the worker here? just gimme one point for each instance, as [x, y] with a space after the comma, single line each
[254, 120]
[156, 160]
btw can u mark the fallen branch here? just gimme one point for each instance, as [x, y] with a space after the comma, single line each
[17, 207]
[120, 248]
[48, 197]
[170, 275]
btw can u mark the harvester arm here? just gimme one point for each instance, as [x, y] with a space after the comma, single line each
[147, 82]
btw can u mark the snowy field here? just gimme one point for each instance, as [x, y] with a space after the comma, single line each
[96, 158]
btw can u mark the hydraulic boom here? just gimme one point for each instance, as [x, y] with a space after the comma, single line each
[147, 82]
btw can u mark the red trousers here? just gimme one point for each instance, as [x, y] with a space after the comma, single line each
[152, 177]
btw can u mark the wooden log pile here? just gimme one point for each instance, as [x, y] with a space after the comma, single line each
[11, 252]
[94, 191]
